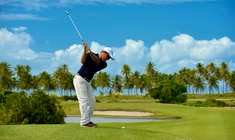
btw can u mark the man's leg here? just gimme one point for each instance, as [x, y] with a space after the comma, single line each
[91, 100]
[81, 91]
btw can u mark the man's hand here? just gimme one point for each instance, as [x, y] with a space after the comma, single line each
[93, 56]
[86, 47]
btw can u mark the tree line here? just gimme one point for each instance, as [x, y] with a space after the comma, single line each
[200, 80]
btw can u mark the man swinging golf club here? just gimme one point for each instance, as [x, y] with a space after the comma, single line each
[92, 63]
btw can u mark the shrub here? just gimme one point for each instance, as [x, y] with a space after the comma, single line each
[17, 107]
[169, 92]
[208, 103]
[217, 103]
[155, 93]
[45, 109]
[38, 108]
[4, 117]
[181, 98]
[2, 98]
[67, 97]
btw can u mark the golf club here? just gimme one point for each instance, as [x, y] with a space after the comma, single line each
[74, 25]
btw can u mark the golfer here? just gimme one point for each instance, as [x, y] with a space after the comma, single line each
[91, 63]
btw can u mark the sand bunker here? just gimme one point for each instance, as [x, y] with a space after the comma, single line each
[123, 113]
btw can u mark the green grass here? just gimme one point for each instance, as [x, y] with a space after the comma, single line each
[75, 132]
[197, 123]
[216, 96]
[228, 98]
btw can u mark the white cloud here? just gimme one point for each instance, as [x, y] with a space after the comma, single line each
[70, 56]
[63, 2]
[27, 4]
[16, 44]
[19, 29]
[134, 53]
[41, 4]
[132, 48]
[18, 16]
[26, 54]
[96, 47]
[212, 49]
[167, 51]
[169, 55]
[184, 51]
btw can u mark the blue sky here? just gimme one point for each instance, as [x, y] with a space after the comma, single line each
[171, 33]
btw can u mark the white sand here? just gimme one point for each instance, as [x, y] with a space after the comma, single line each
[123, 113]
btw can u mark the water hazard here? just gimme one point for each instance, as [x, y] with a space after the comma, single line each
[74, 119]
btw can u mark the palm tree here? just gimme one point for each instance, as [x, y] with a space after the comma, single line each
[150, 72]
[24, 78]
[211, 77]
[211, 68]
[69, 86]
[117, 83]
[63, 78]
[224, 71]
[126, 70]
[184, 77]
[19, 71]
[6, 80]
[232, 81]
[135, 80]
[46, 81]
[217, 75]
[35, 82]
[200, 69]
[200, 75]
[213, 83]
[142, 83]
[198, 84]
[19, 75]
[103, 80]
[93, 85]
[192, 77]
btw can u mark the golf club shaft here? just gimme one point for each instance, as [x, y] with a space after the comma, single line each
[74, 25]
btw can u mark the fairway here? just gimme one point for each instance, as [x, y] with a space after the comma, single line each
[75, 132]
[196, 123]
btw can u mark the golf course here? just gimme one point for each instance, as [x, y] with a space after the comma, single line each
[179, 122]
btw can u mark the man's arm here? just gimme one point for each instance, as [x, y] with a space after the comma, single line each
[83, 58]
[93, 56]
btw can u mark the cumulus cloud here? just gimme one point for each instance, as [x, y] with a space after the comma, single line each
[70, 56]
[185, 51]
[16, 44]
[132, 48]
[169, 56]
[211, 49]
[134, 53]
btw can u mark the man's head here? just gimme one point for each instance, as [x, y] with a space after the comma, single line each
[106, 54]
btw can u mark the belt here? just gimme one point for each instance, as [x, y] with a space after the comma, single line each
[88, 80]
